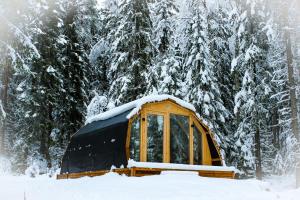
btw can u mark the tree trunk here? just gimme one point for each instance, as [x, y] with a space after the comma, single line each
[258, 154]
[258, 169]
[293, 99]
[4, 98]
[275, 127]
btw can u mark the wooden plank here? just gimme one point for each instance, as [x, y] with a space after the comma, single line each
[140, 171]
[217, 174]
[167, 156]
[127, 145]
[143, 144]
[191, 141]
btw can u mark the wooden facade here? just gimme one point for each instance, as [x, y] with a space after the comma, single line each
[165, 108]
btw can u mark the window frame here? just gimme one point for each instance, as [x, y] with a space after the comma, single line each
[128, 138]
[145, 132]
[190, 147]
[194, 126]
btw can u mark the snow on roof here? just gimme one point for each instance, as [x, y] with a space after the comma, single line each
[136, 107]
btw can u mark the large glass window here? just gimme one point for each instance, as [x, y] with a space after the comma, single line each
[135, 139]
[155, 132]
[197, 146]
[179, 139]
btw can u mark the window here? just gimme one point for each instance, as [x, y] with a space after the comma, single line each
[197, 146]
[135, 139]
[179, 139]
[155, 132]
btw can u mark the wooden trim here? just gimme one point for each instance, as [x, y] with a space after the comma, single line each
[143, 144]
[191, 141]
[167, 143]
[127, 145]
[140, 171]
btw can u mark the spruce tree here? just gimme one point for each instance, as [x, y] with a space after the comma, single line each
[132, 51]
[220, 32]
[250, 100]
[165, 76]
[203, 90]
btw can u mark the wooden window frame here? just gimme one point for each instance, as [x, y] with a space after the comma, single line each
[193, 120]
[145, 132]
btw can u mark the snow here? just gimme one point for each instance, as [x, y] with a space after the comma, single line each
[136, 107]
[2, 112]
[50, 70]
[132, 163]
[98, 105]
[169, 185]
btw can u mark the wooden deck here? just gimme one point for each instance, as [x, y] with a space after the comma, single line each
[138, 172]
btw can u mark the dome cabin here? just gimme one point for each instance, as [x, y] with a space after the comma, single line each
[145, 137]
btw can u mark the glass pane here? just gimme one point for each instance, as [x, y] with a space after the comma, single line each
[197, 146]
[155, 132]
[135, 140]
[179, 136]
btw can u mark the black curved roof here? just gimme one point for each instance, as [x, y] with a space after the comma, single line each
[96, 126]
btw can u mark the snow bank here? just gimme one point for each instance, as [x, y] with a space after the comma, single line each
[174, 186]
[136, 105]
[132, 163]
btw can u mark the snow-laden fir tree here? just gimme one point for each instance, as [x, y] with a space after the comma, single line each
[131, 52]
[100, 54]
[281, 160]
[18, 50]
[73, 66]
[220, 34]
[165, 76]
[203, 90]
[251, 101]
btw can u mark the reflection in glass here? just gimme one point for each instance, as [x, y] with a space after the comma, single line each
[197, 146]
[135, 140]
[179, 136]
[155, 130]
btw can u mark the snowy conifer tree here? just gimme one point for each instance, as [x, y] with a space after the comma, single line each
[165, 76]
[132, 51]
[220, 34]
[203, 90]
[250, 100]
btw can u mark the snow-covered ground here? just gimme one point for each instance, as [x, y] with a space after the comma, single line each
[170, 185]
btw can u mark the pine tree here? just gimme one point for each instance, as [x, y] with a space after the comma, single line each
[165, 76]
[220, 32]
[100, 54]
[131, 52]
[254, 93]
[203, 91]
